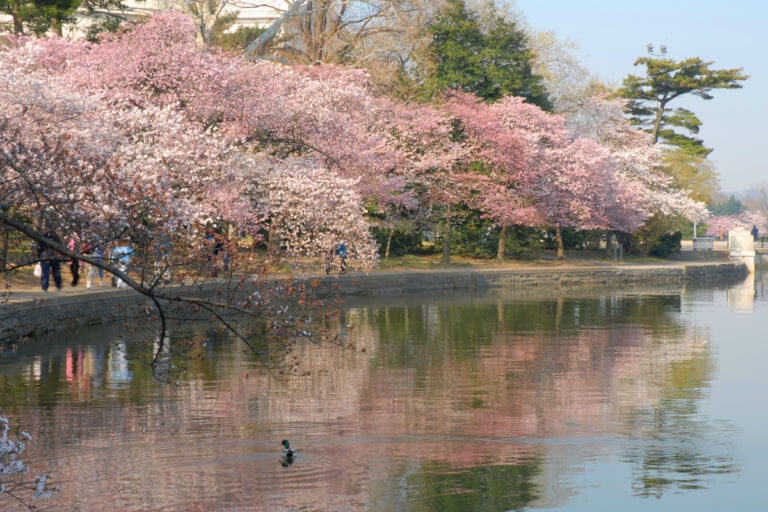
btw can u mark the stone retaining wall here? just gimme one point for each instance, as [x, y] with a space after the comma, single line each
[701, 256]
[18, 320]
[27, 318]
[439, 280]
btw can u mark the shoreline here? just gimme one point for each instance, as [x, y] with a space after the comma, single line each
[28, 315]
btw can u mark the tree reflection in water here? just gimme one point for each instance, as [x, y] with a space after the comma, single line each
[483, 402]
[676, 448]
[436, 486]
[564, 368]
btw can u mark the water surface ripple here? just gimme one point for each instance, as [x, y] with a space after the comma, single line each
[578, 400]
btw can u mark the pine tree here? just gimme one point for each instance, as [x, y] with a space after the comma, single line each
[490, 63]
[666, 80]
[39, 16]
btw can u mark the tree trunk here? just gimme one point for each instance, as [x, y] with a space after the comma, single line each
[657, 122]
[389, 244]
[560, 245]
[502, 243]
[593, 242]
[4, 250]
[18, 26]
[273, 240]
[58, 27]
[447, 238]
[256, 48]
[625, 239]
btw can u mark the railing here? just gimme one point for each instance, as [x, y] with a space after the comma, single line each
[761, 242]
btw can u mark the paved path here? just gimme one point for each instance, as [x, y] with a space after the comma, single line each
[26, 287]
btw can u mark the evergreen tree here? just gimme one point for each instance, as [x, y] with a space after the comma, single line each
[730, 207]
[39, 16]
[490, 63]
[19, 10]
[491, 59]
[666, 80]
[233, 40]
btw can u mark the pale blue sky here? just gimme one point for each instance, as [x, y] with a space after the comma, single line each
[611, 34]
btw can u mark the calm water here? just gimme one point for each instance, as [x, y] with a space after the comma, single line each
[594, 400]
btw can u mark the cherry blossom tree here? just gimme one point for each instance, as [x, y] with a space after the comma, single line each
[158, 63]
[602, 119]
[104, 171]
[327, 113]
[497, 172]
[312, 210]
[719, 226]
[540, 175]
[210, 137]
[147, 136]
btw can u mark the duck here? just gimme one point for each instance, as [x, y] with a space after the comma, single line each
[289, 454]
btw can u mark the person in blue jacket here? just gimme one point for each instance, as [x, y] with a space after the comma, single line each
[339, 251]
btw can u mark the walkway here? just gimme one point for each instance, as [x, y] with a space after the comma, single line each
[26, 288]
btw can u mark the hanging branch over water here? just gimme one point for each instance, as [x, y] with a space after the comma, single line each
[14, 481]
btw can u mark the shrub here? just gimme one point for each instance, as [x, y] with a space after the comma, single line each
[666, 245]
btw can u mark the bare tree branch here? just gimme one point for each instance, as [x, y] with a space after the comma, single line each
[256, 48]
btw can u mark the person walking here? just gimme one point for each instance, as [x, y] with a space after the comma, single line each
[49, 262]
[328, 261]
[74, 265]
[341, 252]
[92, 271]
[755, 232]
[121, 255]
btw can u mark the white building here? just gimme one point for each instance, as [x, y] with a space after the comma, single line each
[249, 13]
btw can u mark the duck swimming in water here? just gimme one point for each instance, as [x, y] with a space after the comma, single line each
[288, 455]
